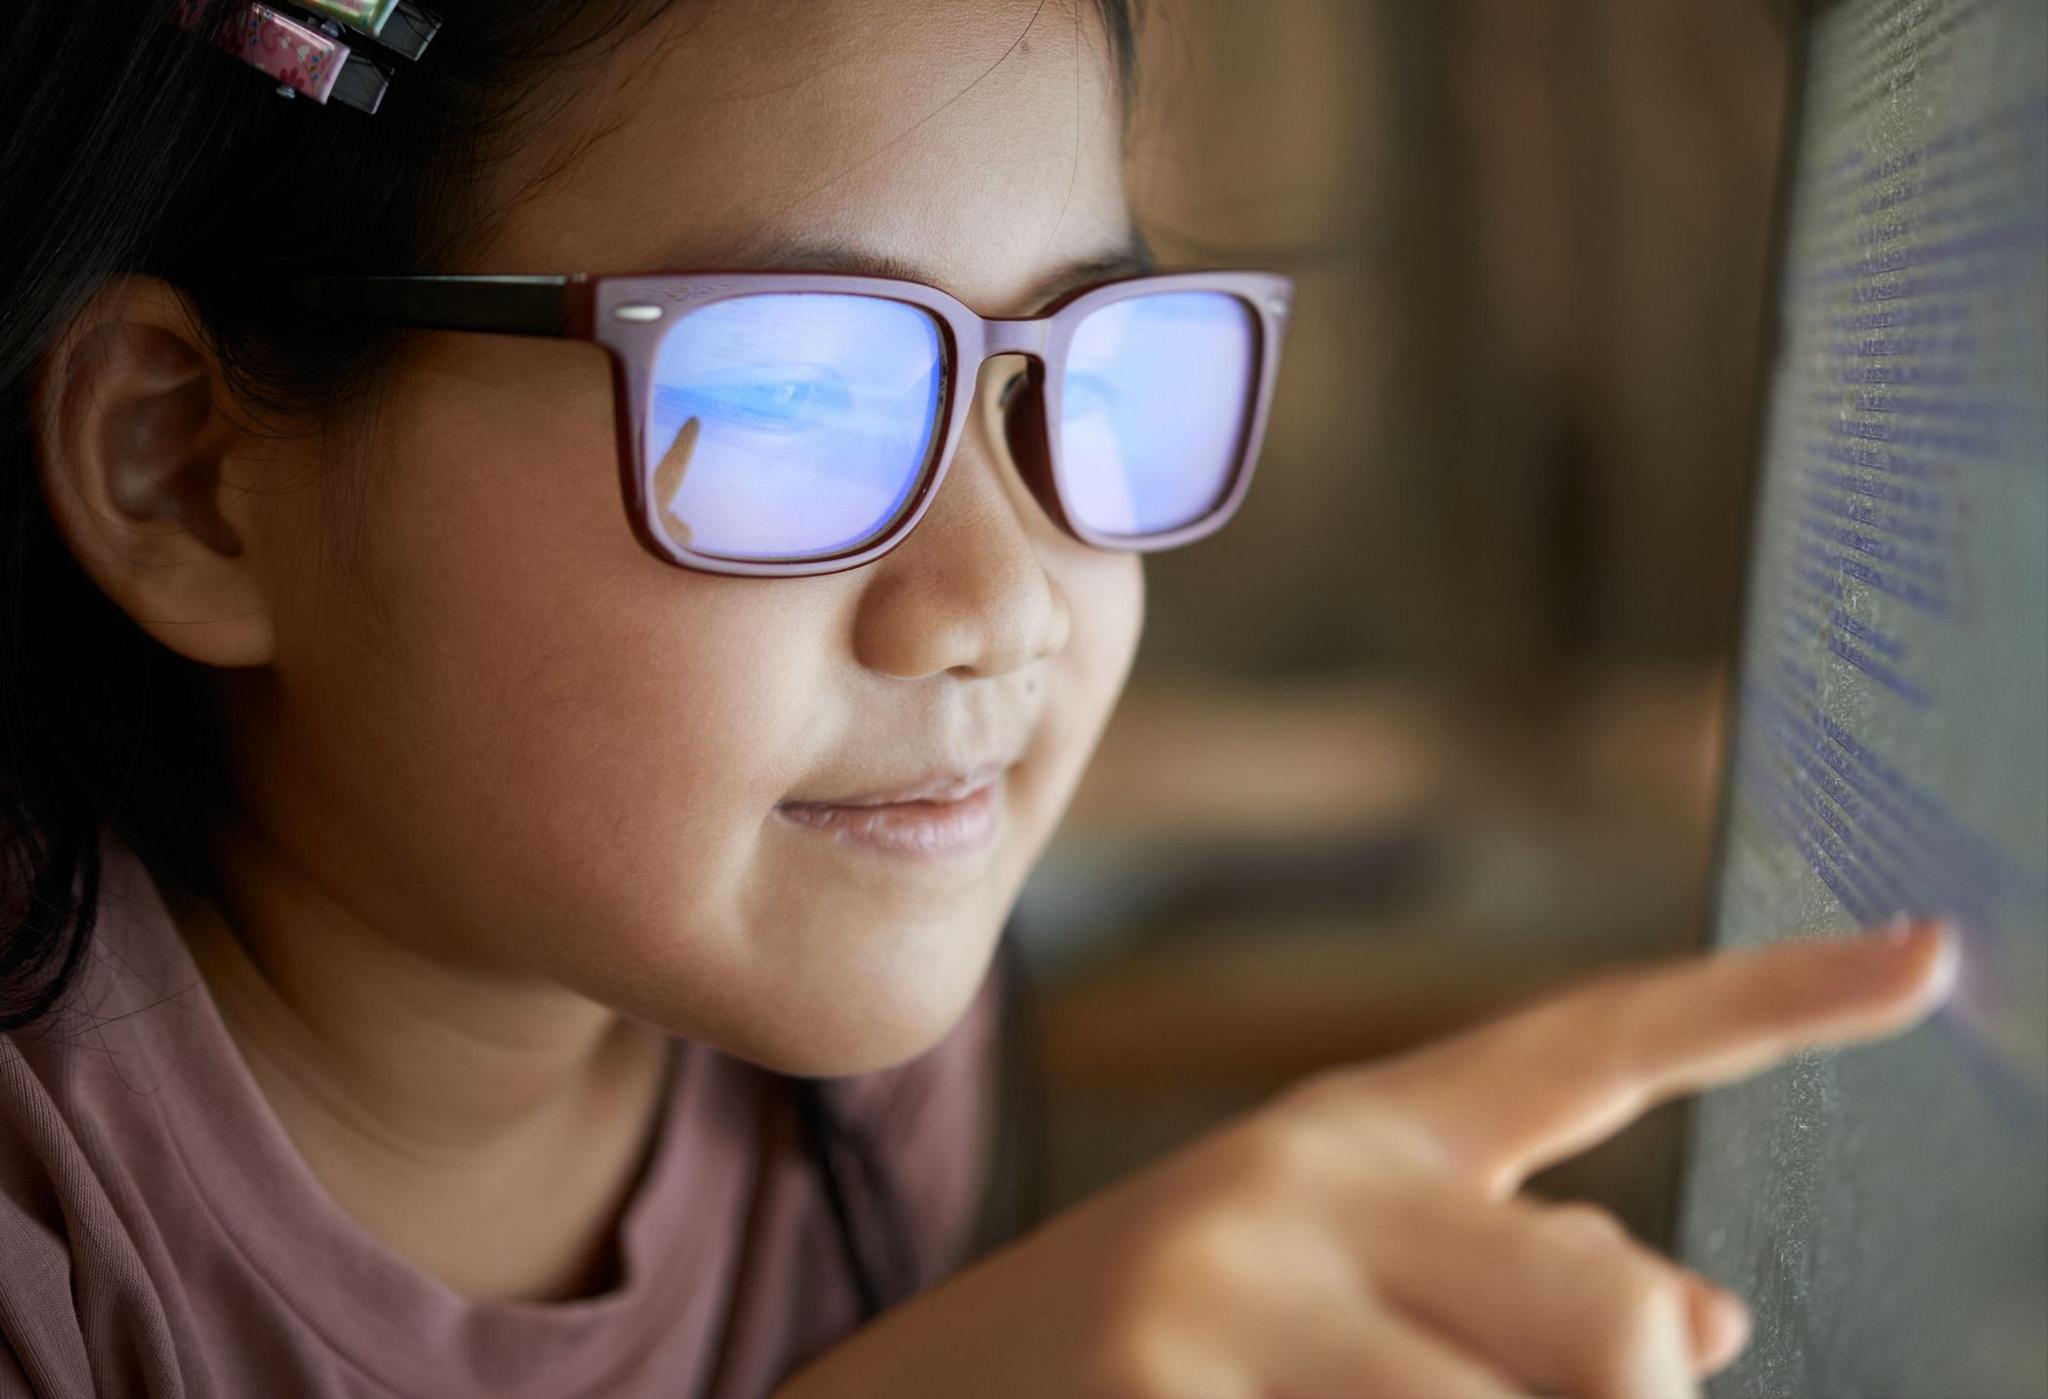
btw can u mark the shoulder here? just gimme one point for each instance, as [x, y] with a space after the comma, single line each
[40, 1165]
[13, 1381]
[45, 1182]
[80, 1312]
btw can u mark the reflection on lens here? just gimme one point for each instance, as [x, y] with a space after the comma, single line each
[792, 424]
[1152, 410]
[668, 480]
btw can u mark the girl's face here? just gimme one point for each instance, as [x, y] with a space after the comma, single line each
[520, 743]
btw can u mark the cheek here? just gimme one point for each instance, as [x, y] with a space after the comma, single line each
[544, 728]
[1106, 599]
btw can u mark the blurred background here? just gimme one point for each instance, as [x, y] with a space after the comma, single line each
[1434, 725]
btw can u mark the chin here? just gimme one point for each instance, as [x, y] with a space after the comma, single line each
[852, 1014]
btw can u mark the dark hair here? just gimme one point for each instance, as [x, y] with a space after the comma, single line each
[134, 147]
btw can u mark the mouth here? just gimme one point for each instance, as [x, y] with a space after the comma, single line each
[944, 813]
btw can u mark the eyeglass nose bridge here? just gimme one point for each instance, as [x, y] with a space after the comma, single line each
[1021, 410]
[1023, 423]
[1025, 337]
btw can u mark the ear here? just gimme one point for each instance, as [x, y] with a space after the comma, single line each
[133, 455]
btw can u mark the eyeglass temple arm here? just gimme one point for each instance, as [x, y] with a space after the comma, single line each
[508, 305]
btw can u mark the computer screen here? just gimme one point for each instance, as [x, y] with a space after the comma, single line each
[1884, 1207]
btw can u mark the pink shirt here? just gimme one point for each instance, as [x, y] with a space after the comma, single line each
[160, 1234]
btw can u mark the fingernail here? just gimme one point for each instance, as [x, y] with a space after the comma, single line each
[1904, 933]
[1948, 964]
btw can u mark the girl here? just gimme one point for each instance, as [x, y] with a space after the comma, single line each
[467, 938]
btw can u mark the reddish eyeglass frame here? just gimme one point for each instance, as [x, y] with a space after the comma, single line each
[628, 314]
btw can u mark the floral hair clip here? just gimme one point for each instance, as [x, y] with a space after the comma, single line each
[304, 51]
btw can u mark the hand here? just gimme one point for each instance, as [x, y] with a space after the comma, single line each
[1364, 1234]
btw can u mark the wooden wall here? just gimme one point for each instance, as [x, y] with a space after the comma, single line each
[1515, 409]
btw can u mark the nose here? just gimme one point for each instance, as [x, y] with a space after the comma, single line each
[968, 592]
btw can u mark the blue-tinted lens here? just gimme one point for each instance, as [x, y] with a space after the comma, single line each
[1152, 410]
[792, 424]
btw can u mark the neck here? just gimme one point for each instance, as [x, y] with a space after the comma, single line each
[421, 1090]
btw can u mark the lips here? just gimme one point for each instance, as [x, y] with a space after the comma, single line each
[949, 783]
[946, 814]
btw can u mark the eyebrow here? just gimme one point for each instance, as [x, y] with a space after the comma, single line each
[776, 254]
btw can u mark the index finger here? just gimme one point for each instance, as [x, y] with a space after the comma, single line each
[1524, 1091]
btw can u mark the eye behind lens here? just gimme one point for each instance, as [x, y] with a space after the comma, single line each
[818, 411]
[1153, 406]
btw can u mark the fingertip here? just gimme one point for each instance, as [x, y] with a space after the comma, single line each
[1721, 1326]
[1930, 948]
[1947, 959]
[1934, 947]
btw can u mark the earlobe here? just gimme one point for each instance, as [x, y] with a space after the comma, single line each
[131, 450]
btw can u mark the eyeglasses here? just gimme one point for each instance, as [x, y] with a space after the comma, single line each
[779, 424]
